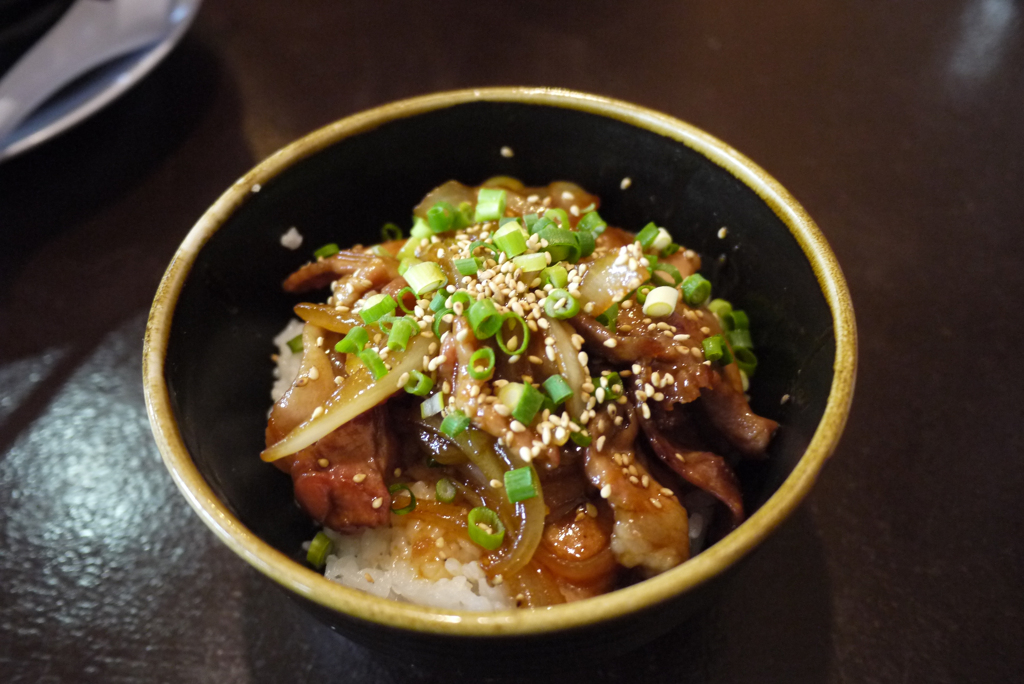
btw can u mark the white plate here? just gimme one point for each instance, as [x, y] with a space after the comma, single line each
[98, 88]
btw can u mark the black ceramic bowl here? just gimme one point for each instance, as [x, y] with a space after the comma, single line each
[207, 367]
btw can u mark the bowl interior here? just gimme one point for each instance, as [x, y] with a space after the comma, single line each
[218, 366]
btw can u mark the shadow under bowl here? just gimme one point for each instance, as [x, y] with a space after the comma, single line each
[207, 364]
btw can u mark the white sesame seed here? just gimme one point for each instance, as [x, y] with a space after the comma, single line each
[626, 182]
[358, 477]
[606, 491]
[610, 343]
[645, 409]
[600, 443]
[317, 412]
[495, 484]
[525, 454]
[378, 502]
[507, 152]
[722, 232]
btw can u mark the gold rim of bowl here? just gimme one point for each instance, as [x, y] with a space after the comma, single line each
[709, 563]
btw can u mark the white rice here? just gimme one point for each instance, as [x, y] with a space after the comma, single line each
[380, 561]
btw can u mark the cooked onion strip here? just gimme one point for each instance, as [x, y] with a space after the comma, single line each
[359, 393]
[568, 363]
[327, 317]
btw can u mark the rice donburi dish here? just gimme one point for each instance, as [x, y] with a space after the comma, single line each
[516, 406]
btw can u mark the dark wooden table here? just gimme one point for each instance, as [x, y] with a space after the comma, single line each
[899, 125]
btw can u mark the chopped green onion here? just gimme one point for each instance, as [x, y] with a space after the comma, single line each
[662, 240]
[481, 364]
[740, 339]
[420, 229]
[559, 215]
[720, 307]
[480, 243]
[670, 250]
[353, 342]
[425, 277]
[405, 263]
[490, 204]
[408, 249]
[439, 321]
[560, 304]
[510, 239]
[592, 223]
[464, 217]
[484, 318]
[455, 423]
[390, 231]
[587, 243]
[460, 296]
[515, 318]
[376, 306]
[746, 360]
[401, 330]
[529, 220]
[736, 320]
[519, 484]
[437, 303]
[523, 399]
[295, 344]
[563, 245]
[371, 359]
[668, 269]
[485, 528]
[386, 321]
[646, 236]
[380, 251]
[412, 499]
[400, 298]
[610, 317]
[661, 301]
[445, 490]
[531, 262]
[558, 389]
[612, 384]
[440, 217]
[582, 438]
[696, 289]
[467, 266]
[555, 276]
[419, 383]
[319, 549]
[327, 250]
[432, 405]
[642, 292]
[540, 224]
[507, 219]
[715, 349]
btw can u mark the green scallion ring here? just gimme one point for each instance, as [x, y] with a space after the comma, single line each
[481, 364]
[445, 490]
[480, 243]
[400, 298]
[740, 339]
[592, 223]
[515, 318]
[563, 245]
[696, 289]
[609, 318]
[390, 231]
[484, 318]
[560, 304]
[441, 216]
[736, 320]
[560, 216]
[582, 438]
[510, 239]
[376, 306]
[642, 292]
[412, 499]
[402, 330]
[746, 360]
[319, 549]
[485, 528]
[295, 344]
[455, 423]
[557, 388]
[330, 249]
[715, 349]
[353, 342]
[555, 276]
[720, 307]
[460, 296]
[419, 384]
[647, 234]
[437, 303]
[675, 277]
[519, 484]
[490, 204]
[425, 277]
[371, 359]
[439, 321]
[468, 266]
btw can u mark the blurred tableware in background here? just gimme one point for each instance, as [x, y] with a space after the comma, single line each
[88, 56]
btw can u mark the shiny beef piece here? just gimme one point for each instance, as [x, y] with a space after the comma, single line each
[363, 270]
[342, 493]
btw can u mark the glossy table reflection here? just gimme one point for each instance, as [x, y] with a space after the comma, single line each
[899, 129]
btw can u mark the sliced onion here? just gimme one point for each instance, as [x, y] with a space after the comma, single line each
[359, 393]
[605, 283]
[327, 317]
[568, 364]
